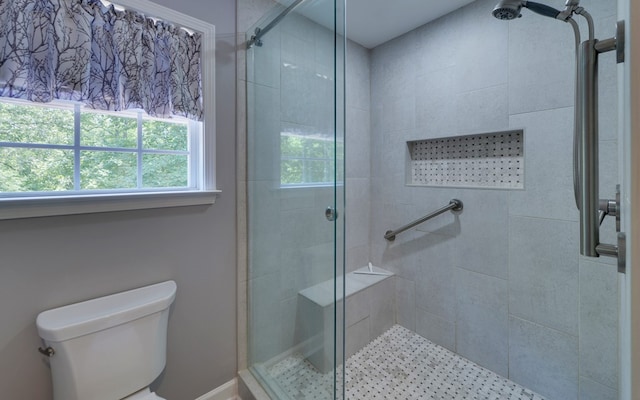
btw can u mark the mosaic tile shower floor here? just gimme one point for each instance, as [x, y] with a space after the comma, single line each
[399, 365]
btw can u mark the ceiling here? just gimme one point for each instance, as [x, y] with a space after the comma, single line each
[373, 22]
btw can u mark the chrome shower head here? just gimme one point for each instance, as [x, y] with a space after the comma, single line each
[508, 9]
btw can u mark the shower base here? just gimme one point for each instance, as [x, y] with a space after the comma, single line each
[399, 364]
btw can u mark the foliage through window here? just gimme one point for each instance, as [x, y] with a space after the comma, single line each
[65, 149]
[83, 87]
[307, 160]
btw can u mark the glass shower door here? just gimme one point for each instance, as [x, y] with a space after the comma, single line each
[295, 149]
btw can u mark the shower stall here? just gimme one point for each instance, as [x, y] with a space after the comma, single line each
[464, 125]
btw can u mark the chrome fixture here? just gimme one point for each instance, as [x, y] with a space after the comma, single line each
[330, 214]
[510, 9]
[454, 205]
[585, 146]
[260, 32]
[49, 351]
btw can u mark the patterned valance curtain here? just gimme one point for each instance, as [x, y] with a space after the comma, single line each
[108, 59]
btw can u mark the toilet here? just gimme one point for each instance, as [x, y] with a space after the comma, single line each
[108, 348]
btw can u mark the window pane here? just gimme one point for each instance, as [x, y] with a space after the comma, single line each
[315, 148]
[318, 171]
[33, 124]
[291, 146]
[291, 172]
[161, 135]
[35, 170]
[339, 161]
[165, 170]
[101, 130]
[108, 170]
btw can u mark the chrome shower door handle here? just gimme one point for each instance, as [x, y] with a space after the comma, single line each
[331, 214]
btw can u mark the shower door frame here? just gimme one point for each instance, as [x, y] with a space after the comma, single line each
[629, 149]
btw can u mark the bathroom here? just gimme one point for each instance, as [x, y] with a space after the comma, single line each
[526, 83]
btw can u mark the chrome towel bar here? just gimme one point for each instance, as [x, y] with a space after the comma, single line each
[454, 205]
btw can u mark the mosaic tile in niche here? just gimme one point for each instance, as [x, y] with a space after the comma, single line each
[492, 160]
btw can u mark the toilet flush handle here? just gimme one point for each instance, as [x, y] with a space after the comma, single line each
[49, 351]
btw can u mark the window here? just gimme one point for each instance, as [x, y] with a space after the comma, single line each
[46, 150]
[308, 160]
[61, 156]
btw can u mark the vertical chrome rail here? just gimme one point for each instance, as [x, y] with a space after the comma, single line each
[588, 149]
[586, 110]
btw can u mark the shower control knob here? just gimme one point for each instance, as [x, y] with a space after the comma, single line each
[331, 214]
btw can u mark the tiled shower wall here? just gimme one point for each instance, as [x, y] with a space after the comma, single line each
[502, 282]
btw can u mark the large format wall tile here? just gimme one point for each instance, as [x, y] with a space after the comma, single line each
[482, 110]
[358, 83]
[548, 183]
[264, 62]
[482, 327]
[541, 64]
[543, 360]
[590, 390]
[482, 54]
[435, 286]
[485, 211]
[264, 133]
[436, 44]
[406, 303]
[543, 272]
[599, 322]
[437, 329]
[358, 144]
[435, 107]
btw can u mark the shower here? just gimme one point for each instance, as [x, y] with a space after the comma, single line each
[384, 135]
[510, 9]
[585, 139]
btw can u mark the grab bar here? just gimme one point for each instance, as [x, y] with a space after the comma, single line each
[454, 205]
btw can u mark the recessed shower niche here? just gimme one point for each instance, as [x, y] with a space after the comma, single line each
[488, 160]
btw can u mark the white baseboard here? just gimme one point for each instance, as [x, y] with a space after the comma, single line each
[227, 391]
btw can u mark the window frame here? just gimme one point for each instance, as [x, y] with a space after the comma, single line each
[205, 192]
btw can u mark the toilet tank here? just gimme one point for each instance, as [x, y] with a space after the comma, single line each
[110, 347]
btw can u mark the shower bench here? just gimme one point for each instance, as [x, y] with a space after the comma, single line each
[370, 311]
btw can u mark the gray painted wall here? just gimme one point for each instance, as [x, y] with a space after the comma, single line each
[502, 282]
[49, 262]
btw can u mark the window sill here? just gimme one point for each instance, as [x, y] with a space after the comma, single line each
[69, 205]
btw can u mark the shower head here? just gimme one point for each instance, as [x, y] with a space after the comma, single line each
[510, 9]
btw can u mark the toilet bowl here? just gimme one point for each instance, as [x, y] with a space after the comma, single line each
[108, 348]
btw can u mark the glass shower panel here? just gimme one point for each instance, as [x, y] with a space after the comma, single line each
[295, 200]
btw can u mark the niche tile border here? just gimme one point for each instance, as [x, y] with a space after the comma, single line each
[489, 160]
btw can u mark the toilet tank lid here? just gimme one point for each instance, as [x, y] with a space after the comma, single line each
[94, 315]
